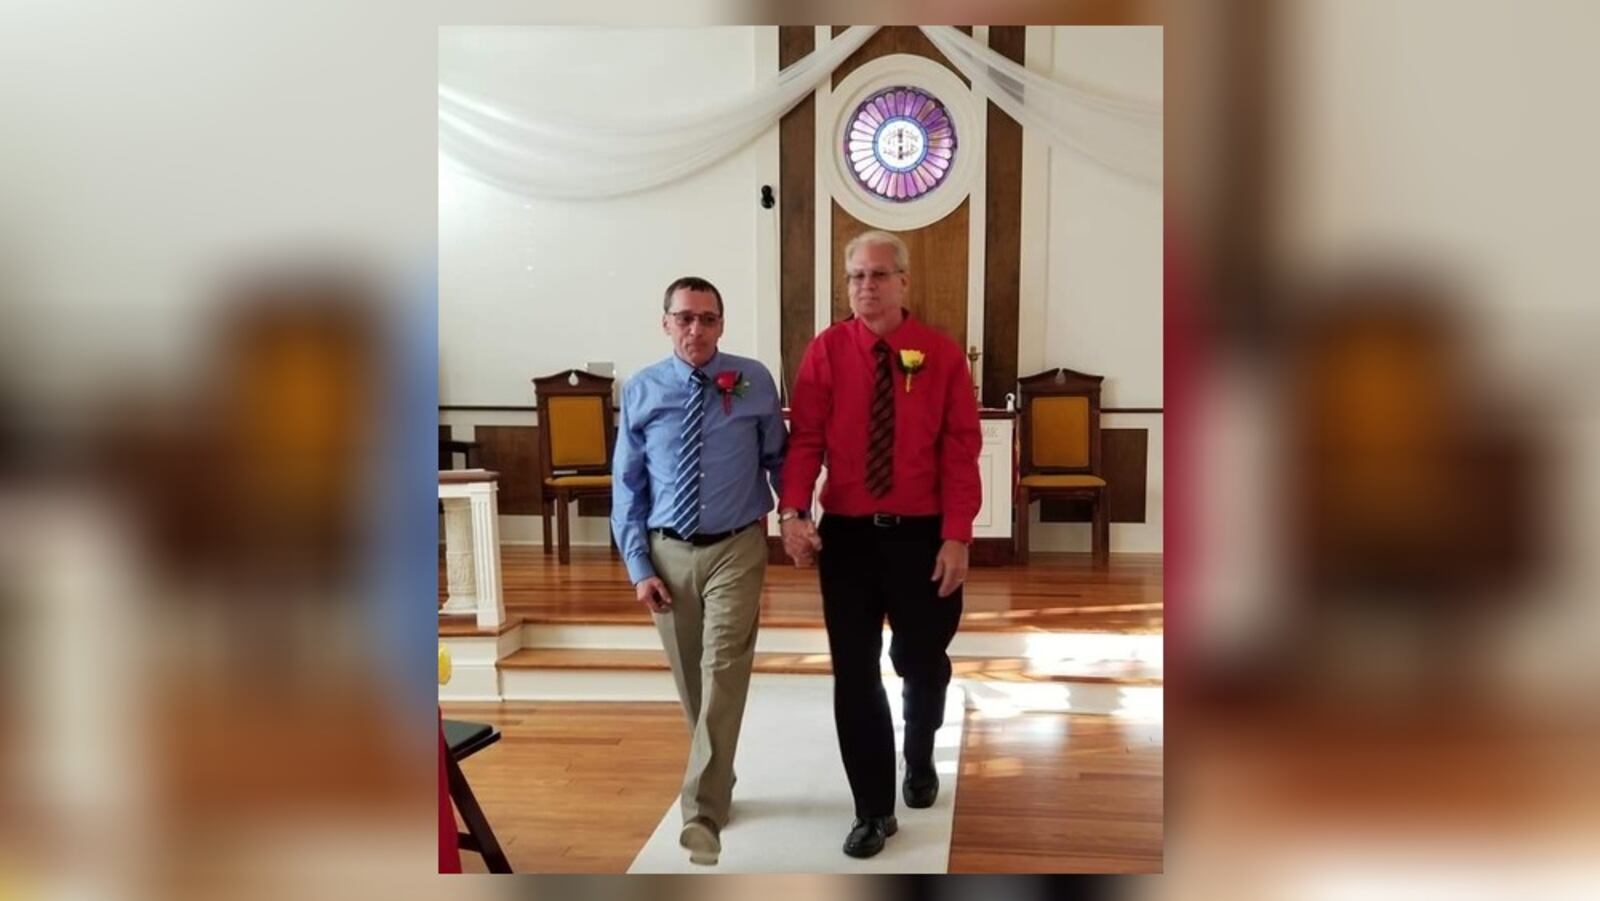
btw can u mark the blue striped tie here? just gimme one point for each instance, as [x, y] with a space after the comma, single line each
[685, 516]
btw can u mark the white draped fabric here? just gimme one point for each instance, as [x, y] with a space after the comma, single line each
[1119, 133]
[576, 159]
[568, 157]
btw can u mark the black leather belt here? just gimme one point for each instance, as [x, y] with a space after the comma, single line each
[884, 520]
[703, 539]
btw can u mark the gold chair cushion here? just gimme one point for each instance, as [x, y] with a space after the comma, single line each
[579, 482]
[577, 431]
[1060, 431]
[1049, 481]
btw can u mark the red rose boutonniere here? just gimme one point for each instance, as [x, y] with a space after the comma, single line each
[730, 384]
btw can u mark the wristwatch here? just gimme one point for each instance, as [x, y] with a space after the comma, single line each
[794, 514]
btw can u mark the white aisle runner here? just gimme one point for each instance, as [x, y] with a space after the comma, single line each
[792, 807]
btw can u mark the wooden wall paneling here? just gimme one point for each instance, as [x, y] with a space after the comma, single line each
[796, 213]
[993, 552]
[1124, 463]
[594, 506]
[1003, 235]
[1124, 455]
[892, 39]
[845, 228]
[940, 254]
[513, 452]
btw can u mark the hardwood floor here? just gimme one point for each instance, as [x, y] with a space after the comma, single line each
[1054, 793]
[1054, 592]
[575, 788]
[578, 788]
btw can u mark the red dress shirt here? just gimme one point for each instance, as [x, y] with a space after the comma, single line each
[936, 434]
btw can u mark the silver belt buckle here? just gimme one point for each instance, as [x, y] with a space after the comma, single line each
[885, 520]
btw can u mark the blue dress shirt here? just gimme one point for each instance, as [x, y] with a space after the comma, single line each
[740, 459]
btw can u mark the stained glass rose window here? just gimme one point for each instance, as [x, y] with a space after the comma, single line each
[900, 143]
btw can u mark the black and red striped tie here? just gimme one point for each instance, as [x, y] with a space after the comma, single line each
[880, 426]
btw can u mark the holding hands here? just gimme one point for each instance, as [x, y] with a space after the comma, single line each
[800, 540]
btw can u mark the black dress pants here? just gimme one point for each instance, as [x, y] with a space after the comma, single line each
[872, 569]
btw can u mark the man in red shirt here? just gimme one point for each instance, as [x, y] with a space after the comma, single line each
[887, 403]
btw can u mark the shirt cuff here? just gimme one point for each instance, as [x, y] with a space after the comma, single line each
[955, 531]
[639, 568]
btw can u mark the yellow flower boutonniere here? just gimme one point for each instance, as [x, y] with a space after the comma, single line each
[911, 362]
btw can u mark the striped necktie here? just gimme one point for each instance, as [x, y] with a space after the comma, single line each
[685, 516]
[880, 426]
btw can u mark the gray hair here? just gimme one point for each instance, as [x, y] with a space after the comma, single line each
[902, 256]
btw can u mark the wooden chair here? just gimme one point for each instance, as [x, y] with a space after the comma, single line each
[463, 740]
[577, 432]
[1060, 451]
[449, 447]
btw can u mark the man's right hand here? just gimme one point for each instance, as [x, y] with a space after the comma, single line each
[801, 541]
[652, 592]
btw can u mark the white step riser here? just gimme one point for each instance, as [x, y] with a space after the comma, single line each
[474, 650]
[472, 683]
[1146, 649]
[587, 685]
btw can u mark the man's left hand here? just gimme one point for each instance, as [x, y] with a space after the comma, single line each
[950, 568]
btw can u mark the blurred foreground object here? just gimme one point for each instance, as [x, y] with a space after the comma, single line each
[205, 694]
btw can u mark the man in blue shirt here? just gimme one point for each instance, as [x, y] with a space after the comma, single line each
[699, 448]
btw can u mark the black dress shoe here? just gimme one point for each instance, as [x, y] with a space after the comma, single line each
[920, 789]
[868, 834]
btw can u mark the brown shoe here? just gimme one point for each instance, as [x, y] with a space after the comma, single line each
[700, 836]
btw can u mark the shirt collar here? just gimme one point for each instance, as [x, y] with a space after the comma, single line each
[866, 338]
[681, 369]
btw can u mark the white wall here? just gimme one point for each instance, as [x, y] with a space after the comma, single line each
[528, 287]
[1103, 274]
[1091, 295]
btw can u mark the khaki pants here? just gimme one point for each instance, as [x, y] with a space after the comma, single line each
[710, 640]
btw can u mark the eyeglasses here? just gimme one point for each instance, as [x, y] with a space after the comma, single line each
[684, 318]
[876, 276]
